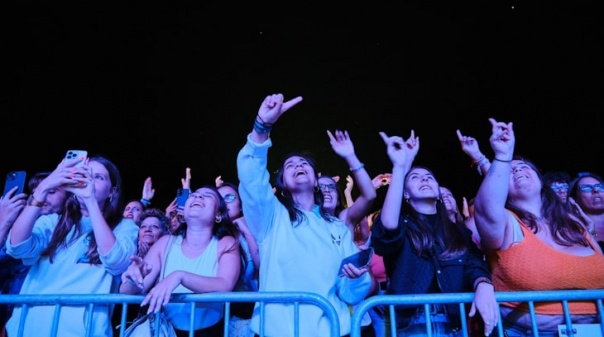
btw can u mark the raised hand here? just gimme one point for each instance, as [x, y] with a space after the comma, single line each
[380, 180]
[148, 190]
[502, 139]
[401, 152]
[341, 143]
[186, 181]
[273, 107]
[469, 145]
[218, 181]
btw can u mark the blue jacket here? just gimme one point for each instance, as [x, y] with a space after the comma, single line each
[413, 274]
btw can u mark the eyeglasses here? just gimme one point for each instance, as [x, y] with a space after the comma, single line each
[559, 187]
[229, 197]
[589, 188]
[327, 188]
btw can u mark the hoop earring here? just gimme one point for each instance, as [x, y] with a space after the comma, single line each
[316, 189]
[282, 194]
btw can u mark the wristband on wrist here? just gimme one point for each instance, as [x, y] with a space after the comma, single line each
[482, 280]
[261, 126]
[503, 161]
[354, 169]
[478, 161]
[145, 202]
[33, 202]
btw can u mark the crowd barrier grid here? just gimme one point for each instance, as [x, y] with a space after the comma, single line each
[529, 297]
[90, 300]
[297, 298]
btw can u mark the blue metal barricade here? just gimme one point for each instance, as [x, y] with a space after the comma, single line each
[529, 297]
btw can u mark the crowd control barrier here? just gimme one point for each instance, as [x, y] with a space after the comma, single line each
[463, 299]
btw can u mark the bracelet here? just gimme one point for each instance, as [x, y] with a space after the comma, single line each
[262, 127]
[33, 202]
[354, 169]
[503, 161]
[483, 280]
[268, 125]
[478, 161]
[145, 202]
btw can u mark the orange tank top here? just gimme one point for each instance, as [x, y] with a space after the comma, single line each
[531, 264]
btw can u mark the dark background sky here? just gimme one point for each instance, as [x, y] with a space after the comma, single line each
[161, 87]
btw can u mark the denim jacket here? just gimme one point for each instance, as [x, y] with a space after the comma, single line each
[413, 274]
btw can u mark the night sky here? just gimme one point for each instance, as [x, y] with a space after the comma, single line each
[158, 88]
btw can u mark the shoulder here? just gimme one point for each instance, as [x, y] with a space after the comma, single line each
[227, 243]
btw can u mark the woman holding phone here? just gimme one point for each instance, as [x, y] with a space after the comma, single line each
[88, 244]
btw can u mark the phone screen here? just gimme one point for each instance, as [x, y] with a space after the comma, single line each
[14, 178]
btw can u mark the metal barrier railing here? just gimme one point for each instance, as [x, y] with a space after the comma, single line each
[529, 297]
[295, 298]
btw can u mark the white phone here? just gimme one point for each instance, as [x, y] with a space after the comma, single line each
[77, 154]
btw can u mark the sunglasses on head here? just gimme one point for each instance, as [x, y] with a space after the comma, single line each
[589, 188]
[229, 197]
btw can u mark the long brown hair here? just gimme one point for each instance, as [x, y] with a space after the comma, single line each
[71, 217]
[424, 233]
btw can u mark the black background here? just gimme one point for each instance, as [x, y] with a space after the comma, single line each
[161, 87]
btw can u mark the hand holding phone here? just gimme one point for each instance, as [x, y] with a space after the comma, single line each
[82, 155]
[360, 260]
[182, 194]
[14, 179]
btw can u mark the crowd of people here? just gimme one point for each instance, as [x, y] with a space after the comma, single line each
[290, 231]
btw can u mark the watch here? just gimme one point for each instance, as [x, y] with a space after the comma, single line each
[33, 202]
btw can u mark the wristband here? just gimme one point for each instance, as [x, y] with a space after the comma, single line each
[354, 169]
[483, 280]
[503, 161]
[145, 202]
[261, 126]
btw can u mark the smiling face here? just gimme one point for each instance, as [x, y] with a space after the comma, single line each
[448, 200]
[203, 206]
[420, 184]
[524, 180]
[298, 174]
[330, 194]
[231, 198]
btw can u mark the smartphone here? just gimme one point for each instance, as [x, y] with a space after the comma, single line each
[14, 178]
[76, 154]
[182, 194]
[360, 260]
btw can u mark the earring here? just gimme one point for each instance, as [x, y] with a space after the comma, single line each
[317, 189]
[407, 200]
[282, 194]
[218, 219]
